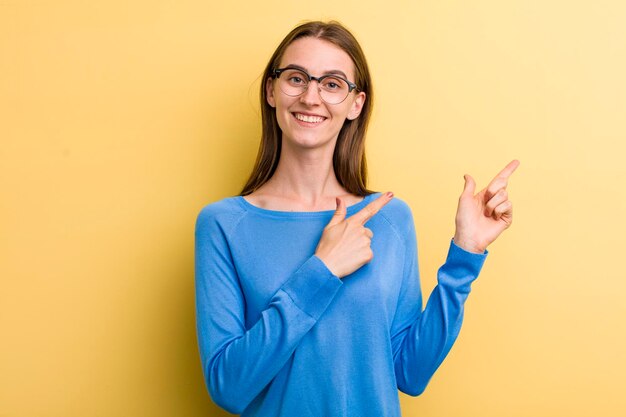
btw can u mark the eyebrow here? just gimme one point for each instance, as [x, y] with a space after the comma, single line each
[335, 72]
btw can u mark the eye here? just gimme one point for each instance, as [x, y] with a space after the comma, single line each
[296, 78]
[333, 84]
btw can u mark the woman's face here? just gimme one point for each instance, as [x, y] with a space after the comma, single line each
[306, 120]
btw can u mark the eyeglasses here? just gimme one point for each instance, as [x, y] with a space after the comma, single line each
[333, 89]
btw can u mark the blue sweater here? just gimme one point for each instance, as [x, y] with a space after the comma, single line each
[280, 335]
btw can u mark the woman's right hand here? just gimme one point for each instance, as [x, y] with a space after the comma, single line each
[345, 243]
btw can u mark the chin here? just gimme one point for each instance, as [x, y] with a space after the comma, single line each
[311, 141]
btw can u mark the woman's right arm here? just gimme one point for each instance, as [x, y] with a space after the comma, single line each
[239, 362]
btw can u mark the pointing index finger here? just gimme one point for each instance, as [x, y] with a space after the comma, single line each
[500, 180]
[367, 212]
[508, 170]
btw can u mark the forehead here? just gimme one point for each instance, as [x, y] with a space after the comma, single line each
[318, 57]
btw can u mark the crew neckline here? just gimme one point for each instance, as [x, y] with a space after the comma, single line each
[323, 213]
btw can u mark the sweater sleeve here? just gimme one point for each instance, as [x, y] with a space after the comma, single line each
[422, 339]
[239, 362]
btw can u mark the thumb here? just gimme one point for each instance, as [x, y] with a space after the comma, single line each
[470, 185]
[340, 212]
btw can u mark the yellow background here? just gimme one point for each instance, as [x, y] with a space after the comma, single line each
[120, 120]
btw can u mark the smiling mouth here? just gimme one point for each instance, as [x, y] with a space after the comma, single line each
[308, 118]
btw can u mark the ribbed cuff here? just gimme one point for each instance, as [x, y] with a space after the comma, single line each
[312, 287]
[461, 267]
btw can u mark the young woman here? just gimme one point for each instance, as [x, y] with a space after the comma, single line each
[308, 298]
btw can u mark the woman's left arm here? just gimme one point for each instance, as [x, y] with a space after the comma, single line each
[422, 339]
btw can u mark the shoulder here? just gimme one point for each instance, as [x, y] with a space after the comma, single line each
[224, 213]
[397, 213]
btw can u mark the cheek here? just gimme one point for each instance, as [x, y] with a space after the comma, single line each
[281, 119]
[341, 114]
[282, 111]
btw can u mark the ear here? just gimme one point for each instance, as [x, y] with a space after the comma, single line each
[357, 106]
[269, 91]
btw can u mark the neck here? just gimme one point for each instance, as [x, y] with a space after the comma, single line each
[306, 175]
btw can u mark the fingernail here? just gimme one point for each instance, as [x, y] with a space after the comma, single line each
[337, 201]
[389, 194]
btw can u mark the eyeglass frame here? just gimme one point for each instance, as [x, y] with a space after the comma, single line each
[351, 86]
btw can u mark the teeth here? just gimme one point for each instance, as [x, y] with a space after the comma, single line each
[309, 119]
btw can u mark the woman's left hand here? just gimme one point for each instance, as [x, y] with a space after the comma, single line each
[482, 217]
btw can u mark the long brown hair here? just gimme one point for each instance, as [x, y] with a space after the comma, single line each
[349, 156]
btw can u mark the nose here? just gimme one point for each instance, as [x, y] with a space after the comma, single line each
[312, 94]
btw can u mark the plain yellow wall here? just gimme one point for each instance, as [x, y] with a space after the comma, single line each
[119, 120]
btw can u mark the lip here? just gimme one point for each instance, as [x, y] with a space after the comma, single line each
[308, 124]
